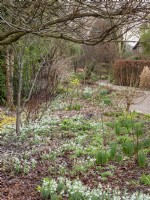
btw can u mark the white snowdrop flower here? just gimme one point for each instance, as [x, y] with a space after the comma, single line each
[62, 192]
[45, 183]
[16, 159]
[33, 160]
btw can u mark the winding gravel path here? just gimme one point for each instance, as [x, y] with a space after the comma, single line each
[141, 102]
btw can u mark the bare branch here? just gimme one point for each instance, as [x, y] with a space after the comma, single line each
[69, 20]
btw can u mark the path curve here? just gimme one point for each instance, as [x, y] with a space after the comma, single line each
[141, 103]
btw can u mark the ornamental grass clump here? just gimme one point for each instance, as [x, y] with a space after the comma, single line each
[117, 127]
[102, 157]
[127, 123]
[144, 78]
[138, 127]
[128, 148]
[146, 143]
[113, 151]
[142, 159]
[145, 179]
[123, 125]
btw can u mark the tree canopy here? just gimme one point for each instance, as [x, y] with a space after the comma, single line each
[68, 19]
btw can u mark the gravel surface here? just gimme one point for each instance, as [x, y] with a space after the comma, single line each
[141, 103]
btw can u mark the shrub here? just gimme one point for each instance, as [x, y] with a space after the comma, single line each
[127, 72]
[6, 120]
[144, 78]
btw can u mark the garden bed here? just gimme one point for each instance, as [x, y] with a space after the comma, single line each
[67, 143]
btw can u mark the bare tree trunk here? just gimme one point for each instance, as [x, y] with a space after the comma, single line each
[9, 61]
[18, 111]
[19, 53]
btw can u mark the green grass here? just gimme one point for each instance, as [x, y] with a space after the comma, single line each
[145, 179]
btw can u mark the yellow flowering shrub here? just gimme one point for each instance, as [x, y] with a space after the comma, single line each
[75, 81]
[6, 120]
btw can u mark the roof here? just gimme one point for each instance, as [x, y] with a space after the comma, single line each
[136, 45]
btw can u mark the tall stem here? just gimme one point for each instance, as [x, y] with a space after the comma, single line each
[104, 142]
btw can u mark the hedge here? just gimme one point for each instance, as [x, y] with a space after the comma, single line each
[127, 72]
